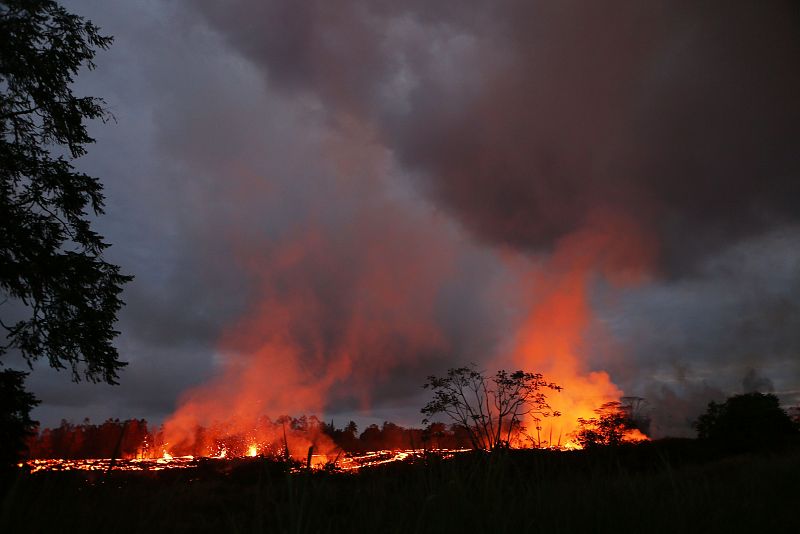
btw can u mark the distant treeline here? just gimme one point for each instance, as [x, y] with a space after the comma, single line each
[392, 436]
[113, 438]
[132, 438]
[751, 421]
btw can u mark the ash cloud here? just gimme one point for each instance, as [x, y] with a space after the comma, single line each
[523, 119]
[471, 131]
[213, 180]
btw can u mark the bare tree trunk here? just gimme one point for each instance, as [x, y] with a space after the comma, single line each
[118, 447]
[285, 444]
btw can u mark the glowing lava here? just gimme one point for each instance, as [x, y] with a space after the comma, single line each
[346, 463]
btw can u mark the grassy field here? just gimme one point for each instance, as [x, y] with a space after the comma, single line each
[661, 487]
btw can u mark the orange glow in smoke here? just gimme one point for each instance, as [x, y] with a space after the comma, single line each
[296, 347]
[551, 338]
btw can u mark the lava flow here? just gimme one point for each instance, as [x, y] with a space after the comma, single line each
[347, 463]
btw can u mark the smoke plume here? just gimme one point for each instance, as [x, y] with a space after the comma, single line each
[619, 142]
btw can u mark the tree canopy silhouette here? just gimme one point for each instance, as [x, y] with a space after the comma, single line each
[489, 408]
[60, 297]
[614, 421]
[746, 422]
[16, 424]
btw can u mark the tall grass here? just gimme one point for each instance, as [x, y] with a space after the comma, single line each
[643, 490]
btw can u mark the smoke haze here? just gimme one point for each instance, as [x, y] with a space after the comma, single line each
[324, 202]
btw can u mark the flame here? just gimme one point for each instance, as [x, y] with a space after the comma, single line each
[551, 337]
[252, 451]
[318, 461]
[635, 434]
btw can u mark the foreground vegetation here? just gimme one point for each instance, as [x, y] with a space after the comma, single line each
[665, 486]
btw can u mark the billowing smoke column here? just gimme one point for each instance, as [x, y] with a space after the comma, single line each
[551, 338]
[620, 141]
[337, 303]
[674, 119]
[325, 323]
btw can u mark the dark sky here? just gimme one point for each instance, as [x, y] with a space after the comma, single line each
[325, 201]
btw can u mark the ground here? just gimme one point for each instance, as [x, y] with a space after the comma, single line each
[675, 486]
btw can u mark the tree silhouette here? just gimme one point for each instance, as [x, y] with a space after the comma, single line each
[794, 414]
[16, 424]
[489, 409]
[60, 297]
[345, 438]
[371, 438]
[614, 422]
[746, 422]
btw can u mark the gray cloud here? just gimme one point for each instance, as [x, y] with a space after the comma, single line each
[731, 326]
[525, 118]
[405, 136]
